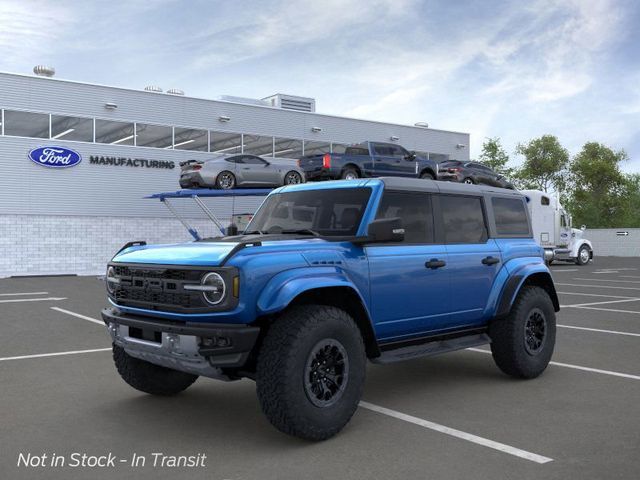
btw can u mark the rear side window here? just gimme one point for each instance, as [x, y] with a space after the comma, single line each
[414, 209]
[357, 151]
[510, 216]
[463, 219]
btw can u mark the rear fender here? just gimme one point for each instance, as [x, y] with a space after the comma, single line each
[284, 287]
[522, 272]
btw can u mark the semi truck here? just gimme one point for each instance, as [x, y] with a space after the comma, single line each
[553, 231]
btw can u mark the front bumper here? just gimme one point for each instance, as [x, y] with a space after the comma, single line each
[200, 349]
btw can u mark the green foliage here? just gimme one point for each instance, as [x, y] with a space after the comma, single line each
[495, 157]
[545, 164]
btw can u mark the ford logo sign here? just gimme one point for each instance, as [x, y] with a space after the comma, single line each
[55, 157]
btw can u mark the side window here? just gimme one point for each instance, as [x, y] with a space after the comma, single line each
[511, 216]
[398, 151]
[234, 159]
[463, 219]
[414, 209]
[252, 160]
[544, 200]
[382, 150]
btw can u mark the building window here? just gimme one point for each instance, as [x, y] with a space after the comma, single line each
[316, 148]
[438, 157]
[257, 145]
[225, 143]
[115, 133]
[71, 128]
[287, 148]
[26, 124]
[190, 139]
[157, 136]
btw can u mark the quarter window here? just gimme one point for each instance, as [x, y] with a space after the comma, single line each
[511, 216]
[414, 209]
[463, 219]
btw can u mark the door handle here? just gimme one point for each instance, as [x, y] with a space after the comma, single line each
[435, 263]
[490, 260]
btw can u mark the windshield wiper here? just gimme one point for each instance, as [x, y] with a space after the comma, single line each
[302, 231]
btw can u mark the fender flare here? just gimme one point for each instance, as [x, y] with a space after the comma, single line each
[580, 243]
[537, 275]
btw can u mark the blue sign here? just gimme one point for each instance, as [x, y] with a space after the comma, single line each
[55, 157]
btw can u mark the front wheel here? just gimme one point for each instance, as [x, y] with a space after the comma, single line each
[584, 255]
[292, 178]
[311, 371]
[225, 180]
[522, 343]
[427, 176]
[468, 181]
[349, 173]
[148, 377]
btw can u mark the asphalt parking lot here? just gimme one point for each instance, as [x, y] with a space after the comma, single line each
[447, 417]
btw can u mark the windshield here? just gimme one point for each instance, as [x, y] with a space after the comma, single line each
[330, 212]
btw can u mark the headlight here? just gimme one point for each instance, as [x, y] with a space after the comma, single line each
[212, 287]
[112, 280]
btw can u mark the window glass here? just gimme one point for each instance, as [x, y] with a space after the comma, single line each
[316, 148]
[26, 124]
[257, 145]
[463, 219]
[115, 133]
[226, 143]
[287, 148]
[157, 136]
[545, 200]
[190, 139]
[357, 151]
[414, 209]
[238, 159]
[330, 212]
[510, 215]
[253, 160]
[71, 128]
[338, 148]
[381, 149]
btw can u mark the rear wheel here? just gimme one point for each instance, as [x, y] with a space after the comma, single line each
[350, 173]
[427, 176]
[311, 371]
[292, 178]
[522, 343]
[150, 378]
[468, 181]
[584, 255]
[225, 180]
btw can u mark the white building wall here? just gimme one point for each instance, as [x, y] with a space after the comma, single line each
[613, 241]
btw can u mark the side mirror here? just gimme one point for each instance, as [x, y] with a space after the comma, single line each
[410, 156]
[583, 228]
[385, 230]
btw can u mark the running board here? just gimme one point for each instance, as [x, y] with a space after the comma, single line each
[433, 347]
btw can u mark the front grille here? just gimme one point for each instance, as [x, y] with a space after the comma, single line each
[156, 288]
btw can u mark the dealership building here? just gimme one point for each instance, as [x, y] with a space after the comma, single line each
[127, 144]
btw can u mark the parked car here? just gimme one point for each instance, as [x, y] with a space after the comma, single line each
[230, 171]
[368, 159]
[326, 276]
[471, 173]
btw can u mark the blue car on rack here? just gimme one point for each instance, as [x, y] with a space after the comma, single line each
[325, 277]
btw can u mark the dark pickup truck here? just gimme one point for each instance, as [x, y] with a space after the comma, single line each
[368, 159]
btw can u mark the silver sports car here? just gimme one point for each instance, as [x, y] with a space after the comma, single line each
[243, 170]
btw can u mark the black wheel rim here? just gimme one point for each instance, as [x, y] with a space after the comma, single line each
[293, 178]
[326, 373]
[535, 331]
[226, 181]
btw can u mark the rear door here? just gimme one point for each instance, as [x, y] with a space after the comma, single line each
[407, 297]
[473, 258]
[383, 159]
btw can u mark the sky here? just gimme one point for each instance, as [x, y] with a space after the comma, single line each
[509, 69]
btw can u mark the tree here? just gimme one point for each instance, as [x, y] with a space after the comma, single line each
[545, 164]
[495, 157]
[600, 195]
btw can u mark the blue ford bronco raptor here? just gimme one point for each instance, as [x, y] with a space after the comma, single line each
[325, 277]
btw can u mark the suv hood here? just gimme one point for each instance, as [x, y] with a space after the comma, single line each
[205, 253]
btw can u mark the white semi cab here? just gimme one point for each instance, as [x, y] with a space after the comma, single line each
[552, 230]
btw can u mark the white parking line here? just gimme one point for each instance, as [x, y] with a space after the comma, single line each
[560, 270]
[597, 286]
[457, 433]
[594, 303]
[614, 332]
[629, 276]
[73, 314]
[608, 280]
[577, 367]
[18, 300]
[591, 294]
[56, 354]
[610, 310]
[22, 293]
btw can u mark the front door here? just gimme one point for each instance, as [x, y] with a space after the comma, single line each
[409, 280]
[473, 258]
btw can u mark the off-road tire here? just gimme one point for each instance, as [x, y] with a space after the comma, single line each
[349, 173]
[427, 176]
[282, 370]
[579, 260]
[150, 378]
[508, 345]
